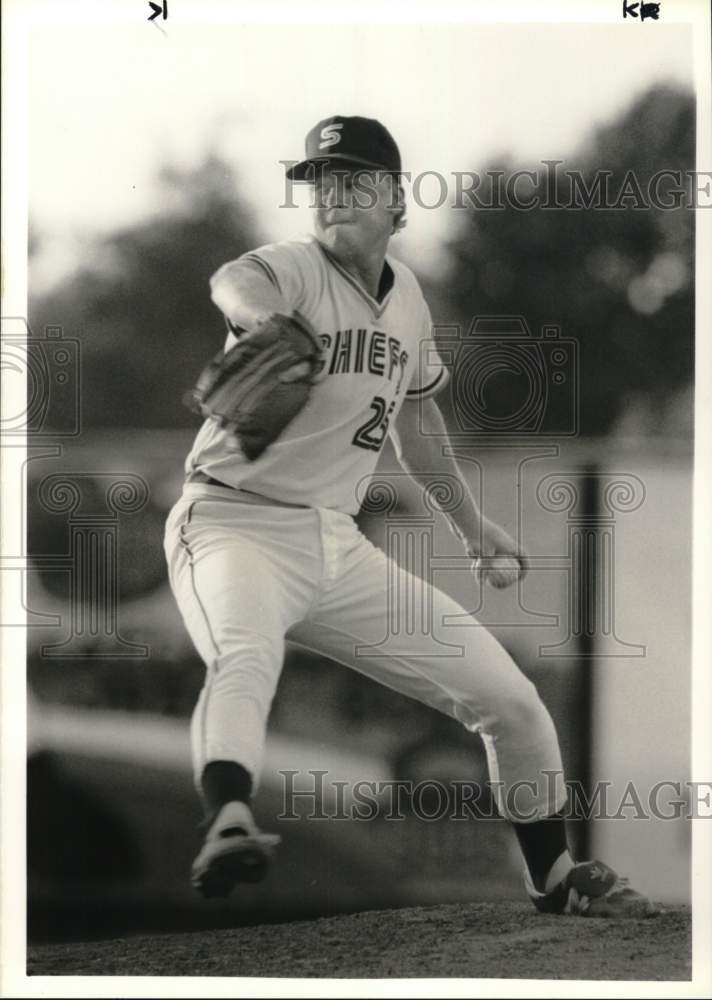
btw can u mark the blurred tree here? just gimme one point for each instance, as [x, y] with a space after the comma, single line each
[140, 302]
[619, 280]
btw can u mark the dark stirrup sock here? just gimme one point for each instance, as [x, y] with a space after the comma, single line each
[542, 843]
[224, 781]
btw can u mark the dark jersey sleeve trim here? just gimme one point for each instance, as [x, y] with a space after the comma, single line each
[233, 328]
[439, 382]
[253, 258]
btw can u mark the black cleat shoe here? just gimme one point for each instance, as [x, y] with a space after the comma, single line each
[592, 889]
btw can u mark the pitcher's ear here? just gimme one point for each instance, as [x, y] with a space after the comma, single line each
[398, 206]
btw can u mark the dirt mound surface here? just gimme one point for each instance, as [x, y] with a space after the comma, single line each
[478, 940]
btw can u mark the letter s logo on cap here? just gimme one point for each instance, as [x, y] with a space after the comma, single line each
[330, 135]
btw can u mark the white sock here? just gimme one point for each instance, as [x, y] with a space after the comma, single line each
[558, 871]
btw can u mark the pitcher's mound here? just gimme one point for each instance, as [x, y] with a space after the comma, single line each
[476, 940]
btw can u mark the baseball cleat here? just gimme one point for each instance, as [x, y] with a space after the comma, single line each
[592, 889]
[234, 850]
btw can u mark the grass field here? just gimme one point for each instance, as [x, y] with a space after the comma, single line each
[479, 940]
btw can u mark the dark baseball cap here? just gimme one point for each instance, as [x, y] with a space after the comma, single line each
[359, 141]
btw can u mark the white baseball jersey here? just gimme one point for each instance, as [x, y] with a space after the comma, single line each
[372, 361]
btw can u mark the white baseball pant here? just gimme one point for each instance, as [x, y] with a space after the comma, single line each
[247, 575]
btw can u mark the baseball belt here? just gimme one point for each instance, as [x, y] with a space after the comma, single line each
[248, 496]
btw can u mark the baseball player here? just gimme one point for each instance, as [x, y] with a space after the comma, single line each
[265, 548]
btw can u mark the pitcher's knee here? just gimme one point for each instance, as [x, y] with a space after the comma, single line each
[517, 715]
